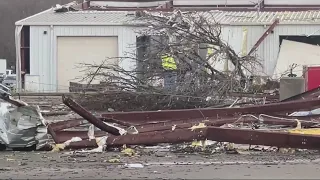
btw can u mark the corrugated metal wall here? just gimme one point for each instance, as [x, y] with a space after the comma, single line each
[244, 2]
[43, 52]
[268, 51]
[271, 46]
[43, 48]
[234, 36]
[40, 60]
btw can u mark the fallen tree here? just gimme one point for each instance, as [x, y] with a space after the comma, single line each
[207, 68]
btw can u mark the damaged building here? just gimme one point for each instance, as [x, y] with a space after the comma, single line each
[53, 42]
[209, 116]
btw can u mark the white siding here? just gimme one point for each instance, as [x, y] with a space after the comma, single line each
[40, 61]
[268, 50]
[44, 62]
[271, 45]
[234, 36]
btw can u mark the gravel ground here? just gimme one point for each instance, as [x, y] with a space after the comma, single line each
[67, 165]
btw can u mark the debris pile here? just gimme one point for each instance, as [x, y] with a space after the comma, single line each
[21, 126]
[285, 124]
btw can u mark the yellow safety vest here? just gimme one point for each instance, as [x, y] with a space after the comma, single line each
[209, 50]
[168, 63]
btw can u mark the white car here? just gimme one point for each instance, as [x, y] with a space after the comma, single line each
[10, 81]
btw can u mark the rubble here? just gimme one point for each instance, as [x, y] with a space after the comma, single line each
[281, 126]
[276, 127]
[22, 126]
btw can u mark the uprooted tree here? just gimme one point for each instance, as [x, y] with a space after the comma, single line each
[203, 60]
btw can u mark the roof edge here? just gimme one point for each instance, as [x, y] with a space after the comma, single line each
[142, 24]
[79, 24]
[20, 22]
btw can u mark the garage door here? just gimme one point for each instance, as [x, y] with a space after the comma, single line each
[73, 51]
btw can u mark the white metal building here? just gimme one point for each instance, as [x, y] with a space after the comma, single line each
[60, 40]
[243, 29]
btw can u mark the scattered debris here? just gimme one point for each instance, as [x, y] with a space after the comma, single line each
[128, 151]
[134, 165]
[114, 160]
[65, 8]
[284, 127]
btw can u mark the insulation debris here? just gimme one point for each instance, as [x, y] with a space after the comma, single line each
[200, 126]
[128, 151]
[59, 147]
[313, 131]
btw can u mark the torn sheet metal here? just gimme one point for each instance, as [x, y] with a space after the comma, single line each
[313, 118]
[267, 138]
[65, 8]
[306, 113]
[22, 127]
[205, 113]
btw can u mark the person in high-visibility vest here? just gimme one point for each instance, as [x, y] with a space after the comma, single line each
[169, 65]
[168, 62]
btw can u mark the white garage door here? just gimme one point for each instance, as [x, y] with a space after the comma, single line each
[73, 51]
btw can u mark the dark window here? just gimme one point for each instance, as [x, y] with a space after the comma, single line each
[314, 40]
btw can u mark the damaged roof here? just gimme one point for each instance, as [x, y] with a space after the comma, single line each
[50, 17]
[86, 17]
[266, 17]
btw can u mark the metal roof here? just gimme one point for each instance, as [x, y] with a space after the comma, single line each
[120, 4]
[254, 17]
[50, 17]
